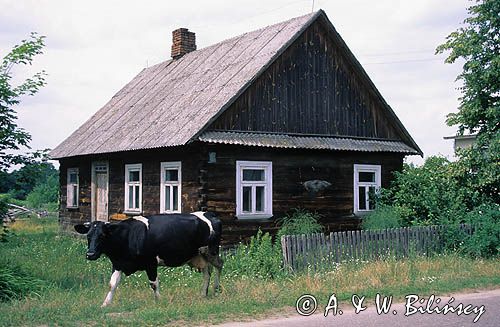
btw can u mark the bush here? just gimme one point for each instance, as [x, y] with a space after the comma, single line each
[260, 258]
[300, 221]
[427, 195]
[485, 241]
[45, 195]
[384, 216]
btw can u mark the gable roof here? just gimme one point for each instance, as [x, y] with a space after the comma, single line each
[171, 103]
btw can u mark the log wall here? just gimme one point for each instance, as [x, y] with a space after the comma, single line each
[212, 186]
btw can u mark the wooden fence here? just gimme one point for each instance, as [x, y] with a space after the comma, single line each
[320, 250]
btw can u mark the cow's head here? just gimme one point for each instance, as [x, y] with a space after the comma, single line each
[97, 233]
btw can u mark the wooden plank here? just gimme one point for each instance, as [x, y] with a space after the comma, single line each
[356, 243]
[335, 246]
[303, 248]
[338, 237]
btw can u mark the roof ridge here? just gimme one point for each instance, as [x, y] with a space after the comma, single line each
[263, 28]
[239, 36]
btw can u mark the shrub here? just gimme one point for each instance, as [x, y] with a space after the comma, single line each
[45, 195]
[260, 258]
[384, 216]
[428, 195]
[485, 241]
[300, 221]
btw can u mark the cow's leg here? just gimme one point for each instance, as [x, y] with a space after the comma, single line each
[113, 284]
[153, 281]
[217, 262]
[206, 279]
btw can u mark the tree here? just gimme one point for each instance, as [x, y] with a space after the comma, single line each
[425, 195]
[12, 137]
[29, 176]
[478, 44]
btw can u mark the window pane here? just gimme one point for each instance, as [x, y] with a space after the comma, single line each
[171, 175]
[73, 179]
[133, 176]
[247, 198]
[167, 198]
[259, 198]
[367, 176]
[175, 194]
[131, 196]
[362, 198]
[75, 196]
[253, 175]
[371, 198]
[136, 197]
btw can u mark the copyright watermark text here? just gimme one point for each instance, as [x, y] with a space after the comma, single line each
[307, 304]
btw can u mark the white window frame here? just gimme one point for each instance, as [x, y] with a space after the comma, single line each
[267, 166]
[128, 169]
[377, 169]
[171, 165]
[70, 190]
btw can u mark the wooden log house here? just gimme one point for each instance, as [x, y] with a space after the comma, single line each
[252, 127]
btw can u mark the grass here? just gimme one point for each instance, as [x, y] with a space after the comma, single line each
[74, 288]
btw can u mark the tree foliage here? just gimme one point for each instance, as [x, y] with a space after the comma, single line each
[19, 183]
[426, 195]
[45, 195]
[12, 137]
[477, 43]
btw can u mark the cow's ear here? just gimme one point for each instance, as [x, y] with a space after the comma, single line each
[82, 228]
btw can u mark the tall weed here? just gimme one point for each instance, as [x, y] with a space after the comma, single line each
[384, 216]
[15, 284]
[299, 222]
[258, 259]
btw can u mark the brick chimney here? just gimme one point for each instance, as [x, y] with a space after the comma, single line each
[183, 41]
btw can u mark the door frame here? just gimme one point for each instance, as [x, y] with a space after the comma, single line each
[94, 186]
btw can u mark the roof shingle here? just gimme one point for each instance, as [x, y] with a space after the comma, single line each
[169, 103]
[305, 142]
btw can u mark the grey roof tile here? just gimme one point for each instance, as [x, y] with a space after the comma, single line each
[305, 142]
[169, 103]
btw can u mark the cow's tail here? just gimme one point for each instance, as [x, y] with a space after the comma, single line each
[214, 238]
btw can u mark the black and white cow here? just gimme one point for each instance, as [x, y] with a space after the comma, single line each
[144, 243]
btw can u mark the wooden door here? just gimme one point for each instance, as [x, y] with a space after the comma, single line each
[101, 197]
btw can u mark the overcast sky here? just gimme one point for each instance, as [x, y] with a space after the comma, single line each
[93, 48]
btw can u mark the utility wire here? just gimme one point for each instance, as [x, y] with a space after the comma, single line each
[403, 61]
[383, 54]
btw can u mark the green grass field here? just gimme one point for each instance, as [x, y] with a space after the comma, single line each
[68, 290]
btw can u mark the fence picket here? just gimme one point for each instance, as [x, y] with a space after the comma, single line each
[301, 251]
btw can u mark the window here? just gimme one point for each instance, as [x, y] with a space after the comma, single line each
[133, 188]
[366, 185]
[170, 187]
[254, 189]
[72, 188]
